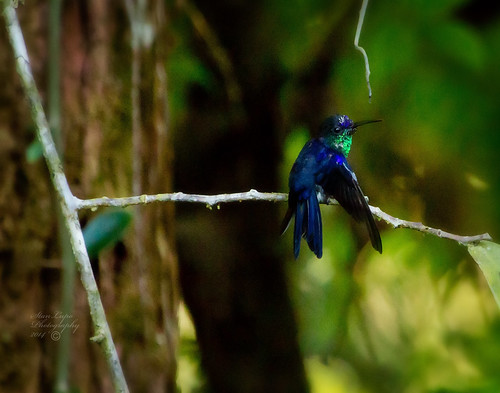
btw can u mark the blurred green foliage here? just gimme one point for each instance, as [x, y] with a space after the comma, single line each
[419, 317]
[34, 152]
[487, 255]
[105, 230]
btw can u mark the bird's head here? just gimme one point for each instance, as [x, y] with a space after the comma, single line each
[338, 130]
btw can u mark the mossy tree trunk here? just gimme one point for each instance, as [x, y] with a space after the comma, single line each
[96, 64]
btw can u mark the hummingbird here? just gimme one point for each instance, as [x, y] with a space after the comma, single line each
[321, 170]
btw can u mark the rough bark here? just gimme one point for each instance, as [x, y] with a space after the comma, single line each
[96, 118]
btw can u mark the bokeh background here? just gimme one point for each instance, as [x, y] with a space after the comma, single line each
[211, 300]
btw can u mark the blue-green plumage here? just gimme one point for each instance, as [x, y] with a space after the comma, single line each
[322, 167]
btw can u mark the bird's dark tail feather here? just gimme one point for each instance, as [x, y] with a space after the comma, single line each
[286, 220]
[308, 225]
[373, 231]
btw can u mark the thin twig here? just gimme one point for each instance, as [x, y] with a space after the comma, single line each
[209, 200]
[65, 197]
[361, 19]
[253, 195]
[418, 226]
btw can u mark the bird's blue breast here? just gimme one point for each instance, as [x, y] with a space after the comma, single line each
[314, 164]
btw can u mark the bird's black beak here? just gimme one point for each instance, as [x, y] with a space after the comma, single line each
[362, 123]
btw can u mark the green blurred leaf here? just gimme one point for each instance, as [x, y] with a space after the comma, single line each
[400, 46]
[461, 43]
[105, 230]
[186, 66]
[186, 69]
[298, 29]
[294, 142]
[487, 256]
[428, 8]
[34, 152]
[331, 376]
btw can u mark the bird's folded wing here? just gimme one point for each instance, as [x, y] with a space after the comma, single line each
[343, 185]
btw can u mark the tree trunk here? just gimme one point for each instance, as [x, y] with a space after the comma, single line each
[97, 115]
[232, 278]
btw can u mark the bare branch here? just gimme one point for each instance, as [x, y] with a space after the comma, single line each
[253, 195]
[361, 19]
[209, 200]
[65, 197]
[418, 226]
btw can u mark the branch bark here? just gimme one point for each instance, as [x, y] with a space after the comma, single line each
[65, 197]
[212, 201]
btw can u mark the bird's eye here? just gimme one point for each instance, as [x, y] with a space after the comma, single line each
[336, 130]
